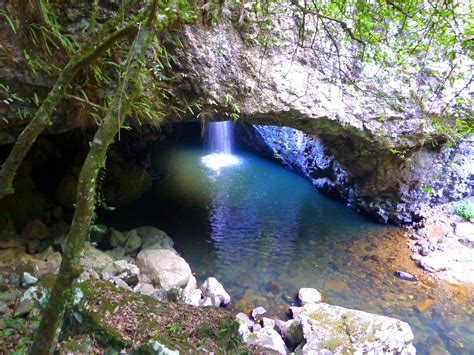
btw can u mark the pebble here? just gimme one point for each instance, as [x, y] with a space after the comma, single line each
[405, 276]
[424, 250]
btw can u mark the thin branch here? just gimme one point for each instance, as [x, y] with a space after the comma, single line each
[77, 98]
[344, 25]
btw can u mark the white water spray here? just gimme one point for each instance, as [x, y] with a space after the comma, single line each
[219, 138]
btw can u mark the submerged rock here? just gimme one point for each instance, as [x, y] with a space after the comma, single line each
[341, 330]
[405, 276]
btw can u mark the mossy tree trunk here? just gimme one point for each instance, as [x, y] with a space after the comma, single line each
[89, 51]
[126, 91]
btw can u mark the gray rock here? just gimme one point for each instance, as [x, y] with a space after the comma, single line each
[245, 319]
[116, 253]
[192, 297]
[133, 243]
[144, 289]
[435, 262]
[164, 267]
[292, 331]
[258, 312]
[465, 233]
[424, 250]
[295, 311]
[35, 229]
[28, 279]
[94, 259]
[24, 307]
[268, 322]
[343, 330]
[10, 297]
[268, 339]
[153, 238]
[213, 289]
[4, 309]
[117, 239]
[309, 295]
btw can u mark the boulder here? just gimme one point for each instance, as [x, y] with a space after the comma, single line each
[244, 319]
[152, 238]
[133, 242]
[292, 331]
[164, 267]
[434, 262]
[28, 279]
[144, 289]
[267, 338]
[309, 295]
[35, 229]
[192, 297]
[117, 239]
[341, 330]
[65, 193]
[213, 289]
[94, 259]
[122, 270]
[268, 322]
[258, 312]
[24, 307]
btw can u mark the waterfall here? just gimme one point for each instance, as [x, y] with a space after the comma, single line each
[219, 140]
[219, 137]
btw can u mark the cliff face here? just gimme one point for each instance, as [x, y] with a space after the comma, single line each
[376, 152]
[380, 154]
[377, 183]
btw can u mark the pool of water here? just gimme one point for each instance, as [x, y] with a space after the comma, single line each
[265, 232]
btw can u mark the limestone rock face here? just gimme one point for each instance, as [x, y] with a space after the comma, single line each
[341, 330]
[372, 180]
[164, 267]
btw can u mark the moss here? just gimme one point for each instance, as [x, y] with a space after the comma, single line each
[124, 319]
[47, 281]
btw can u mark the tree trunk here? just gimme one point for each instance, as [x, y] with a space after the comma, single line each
[89, 51]
[126, 91]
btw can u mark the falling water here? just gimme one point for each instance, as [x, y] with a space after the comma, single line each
[219, 138]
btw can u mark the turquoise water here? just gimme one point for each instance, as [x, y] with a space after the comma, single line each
[265, 232]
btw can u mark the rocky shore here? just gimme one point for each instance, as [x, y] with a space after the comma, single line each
[141, 287]
[443, 243]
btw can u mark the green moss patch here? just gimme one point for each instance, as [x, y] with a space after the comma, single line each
[122, 319]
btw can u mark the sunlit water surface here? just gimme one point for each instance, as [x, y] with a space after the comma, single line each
[264, 232]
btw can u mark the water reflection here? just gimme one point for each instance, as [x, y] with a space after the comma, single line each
[265, 232]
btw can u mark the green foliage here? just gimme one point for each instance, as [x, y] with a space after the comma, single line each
[411, 39]
[18, 332]
[465, 209]
[428, 189]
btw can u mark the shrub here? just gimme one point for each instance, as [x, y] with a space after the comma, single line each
[465, 209]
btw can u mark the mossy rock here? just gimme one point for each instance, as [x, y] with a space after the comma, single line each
[126, 184]
[121, 319]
